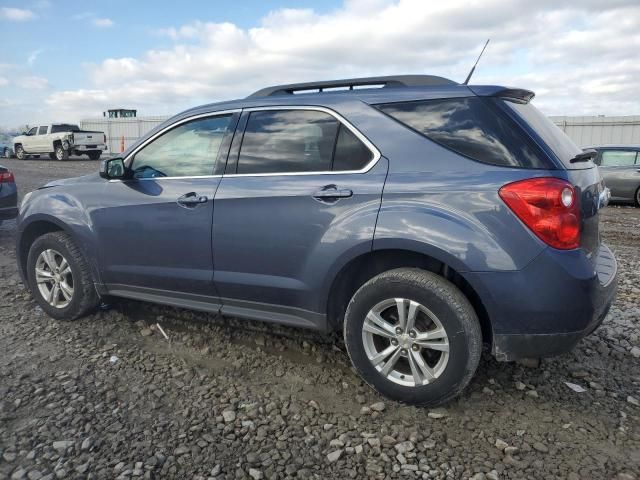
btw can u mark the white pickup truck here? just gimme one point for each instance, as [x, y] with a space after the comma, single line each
[59, 140]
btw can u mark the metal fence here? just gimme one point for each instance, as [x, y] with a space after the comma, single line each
[584, 131]
[118, 130]
[592, 131]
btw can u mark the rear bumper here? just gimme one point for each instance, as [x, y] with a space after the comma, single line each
[89, 148]
[546, 308]
[8, 201]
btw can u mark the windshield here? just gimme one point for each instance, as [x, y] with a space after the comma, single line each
[64, 127]
[556, 139]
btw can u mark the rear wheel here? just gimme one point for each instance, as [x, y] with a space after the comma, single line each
[52, 156]
[61, 153]
[5, 153]
[413, 336]
[59, 277]
[94, 155]
[20, 153]
[638, 197]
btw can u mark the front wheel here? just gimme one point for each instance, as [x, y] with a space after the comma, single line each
[413, 336]
[638, 197]
[20, 153]
[59, 277]
[61, 153]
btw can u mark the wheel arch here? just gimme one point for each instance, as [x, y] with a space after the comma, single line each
[362, 268]
[28, 234]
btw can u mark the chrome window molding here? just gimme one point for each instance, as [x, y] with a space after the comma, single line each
[376, 153]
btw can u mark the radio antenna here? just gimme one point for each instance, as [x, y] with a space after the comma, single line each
[473, 69]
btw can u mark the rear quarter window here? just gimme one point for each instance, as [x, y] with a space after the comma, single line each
[470, 126]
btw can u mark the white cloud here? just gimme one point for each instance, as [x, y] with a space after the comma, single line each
[33, 56]
[32, 83]
[578, 55]
[16, 14]
[4, 81]
[103, 22]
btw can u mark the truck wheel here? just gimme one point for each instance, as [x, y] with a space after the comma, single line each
[20, 153]
[413, 336]
[59, 277]
[5, 153]
[94, 155]
[61, 153]
[52, 156]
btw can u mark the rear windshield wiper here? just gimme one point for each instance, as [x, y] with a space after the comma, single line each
[585, 156]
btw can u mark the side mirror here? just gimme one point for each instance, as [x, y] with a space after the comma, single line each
[112, 168]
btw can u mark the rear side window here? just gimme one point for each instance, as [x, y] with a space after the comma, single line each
[470, 126]
[64, 128]
[286, 141]
[351, 153]
[618, 158]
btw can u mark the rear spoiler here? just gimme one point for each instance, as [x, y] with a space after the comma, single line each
[516, 94]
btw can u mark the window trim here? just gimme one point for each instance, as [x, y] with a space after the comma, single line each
[130, 156]
[341, 120]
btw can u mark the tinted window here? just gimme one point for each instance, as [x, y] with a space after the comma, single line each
[471, 126]
[64, 127]
[613, 158]
[351, 153]
[32, 131]
[185, 151]
[556, 139]
[284, 141]
[43, 130]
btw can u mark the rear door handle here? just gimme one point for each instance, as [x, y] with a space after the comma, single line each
[332, 192]
[192, 199]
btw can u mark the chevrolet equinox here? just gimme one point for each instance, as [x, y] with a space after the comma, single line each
[422, 217]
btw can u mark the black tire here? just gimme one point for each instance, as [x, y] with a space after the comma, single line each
[20, 153]
[94, 155]
[85, 297]
[637, 197]
[61, 153]
[452, 309]
[5, 153]
[52, 156]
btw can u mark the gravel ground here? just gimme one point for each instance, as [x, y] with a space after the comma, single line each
[108, 396]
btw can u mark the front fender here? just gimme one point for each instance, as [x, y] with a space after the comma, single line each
[63, 210]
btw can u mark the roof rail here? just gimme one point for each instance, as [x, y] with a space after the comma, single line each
[389, 81]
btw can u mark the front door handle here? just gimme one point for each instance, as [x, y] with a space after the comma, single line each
[192, 199]
[332, 192]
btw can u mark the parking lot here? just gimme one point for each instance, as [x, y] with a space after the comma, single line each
[108, 396]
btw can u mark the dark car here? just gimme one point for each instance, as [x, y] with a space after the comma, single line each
[8, 195]
[421, 217]
[620, 168]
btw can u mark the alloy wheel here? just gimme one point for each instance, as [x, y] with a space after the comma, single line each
[405, 342]
[54, 278]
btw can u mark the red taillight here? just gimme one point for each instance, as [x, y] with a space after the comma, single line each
[7, 177]
[549, 207]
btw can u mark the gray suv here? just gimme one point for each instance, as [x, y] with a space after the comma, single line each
[421, 217]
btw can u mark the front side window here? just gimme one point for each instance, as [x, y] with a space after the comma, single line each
[43, 130]
[618, 158]
[32, 131]
[187, 150]
[286, 141]
[470, 126]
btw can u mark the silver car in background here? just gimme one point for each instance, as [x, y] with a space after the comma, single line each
[620, 168]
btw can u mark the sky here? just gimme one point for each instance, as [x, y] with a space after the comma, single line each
[61, 61]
